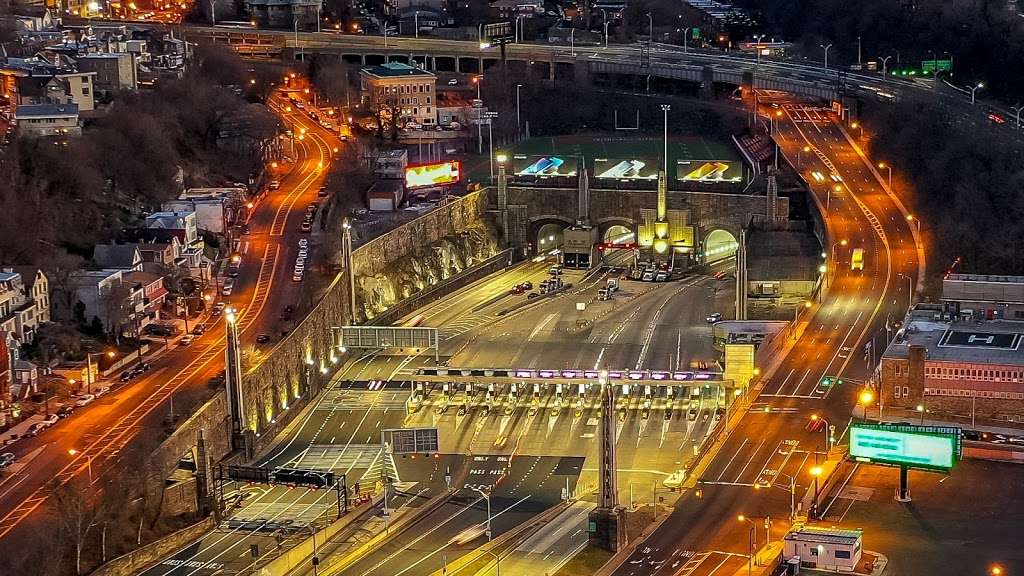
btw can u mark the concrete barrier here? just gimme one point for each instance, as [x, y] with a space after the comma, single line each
[141, 559]
[300, 553]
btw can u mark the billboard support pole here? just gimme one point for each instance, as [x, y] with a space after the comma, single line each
[903, 495]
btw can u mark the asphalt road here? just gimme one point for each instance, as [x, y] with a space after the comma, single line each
[771, 451]
[98, 433]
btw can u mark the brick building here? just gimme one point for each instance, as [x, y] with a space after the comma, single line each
[955, 364]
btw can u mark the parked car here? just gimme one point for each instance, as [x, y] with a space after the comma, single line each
[65, 411]
[262, 339]
[33, 430]
[85, 400]
[218, 309]
[199, 330]
[229, 285]
[307, 227]
[102, 391]
[6, 459]
[127, 375]
[50, 419]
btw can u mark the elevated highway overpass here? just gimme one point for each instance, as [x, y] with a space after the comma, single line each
[554, 62]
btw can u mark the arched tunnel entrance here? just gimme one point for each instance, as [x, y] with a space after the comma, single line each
[549, 237]
[719, 245]
[618, 234]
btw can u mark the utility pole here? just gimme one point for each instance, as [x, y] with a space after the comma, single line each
[346, 244]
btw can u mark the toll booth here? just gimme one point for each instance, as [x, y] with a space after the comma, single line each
[823, 548]
[578, 247]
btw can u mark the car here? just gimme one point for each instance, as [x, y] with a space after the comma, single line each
[85, 400]
[344, 137]
[33, 430]
[517, 289]
[50, 419]
[691, 415]
[262, 339]
[322, 192]
[65, 411]
[312, 207]
[299, 105]
[145, 366]
[555, 271]
[199, 330]
[102, 391]
[714, 317]
[226, 290]
[186, 340]
[453, 82]
[127, 375]
[297, 276]
[719, 412]
[527, 285]
[996, 118]
[307, 227]
[274, 184]
[6, 459]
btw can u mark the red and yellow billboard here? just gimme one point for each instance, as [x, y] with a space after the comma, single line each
[430, 175]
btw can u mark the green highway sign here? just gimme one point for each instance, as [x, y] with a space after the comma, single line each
[929, 66]
[925, 447]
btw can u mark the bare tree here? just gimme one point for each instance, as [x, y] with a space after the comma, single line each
[117, 306]
[77, 512]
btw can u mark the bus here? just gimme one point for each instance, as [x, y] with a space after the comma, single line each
[857, 260]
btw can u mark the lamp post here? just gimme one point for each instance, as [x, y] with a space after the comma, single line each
[885, 62]
[757, 48]
[606, 31]
[518, 124]
[88, 463]
[917, 221]
[859, 127]
[826, 47]
[486, 496]
[825, 430]
[859, 60]
[572, 41]
[750, 542]
[975, 89]
[650, 21]
[889, 168]
[865, 399]
[816, 472]
[89, 380]
[799, 157]
[302, 56]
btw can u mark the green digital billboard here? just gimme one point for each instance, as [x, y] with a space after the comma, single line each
[902, 445]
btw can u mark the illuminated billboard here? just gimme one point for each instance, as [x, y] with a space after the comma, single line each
[429, 175]
[709, 171]
[523, 165]
[923, 447]
[628, 169]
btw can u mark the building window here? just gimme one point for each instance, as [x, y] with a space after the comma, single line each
[843, 554]
[814, 551]
[906, 392]
[896, 392]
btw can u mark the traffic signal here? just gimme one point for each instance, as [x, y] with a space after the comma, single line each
[829, 381]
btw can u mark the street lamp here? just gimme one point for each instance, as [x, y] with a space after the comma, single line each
[921, 410]
[996, 570]
[974, 89]
[857, 126]
[650, 20]
[799, 156]
[88, 462]
[884, 62]
[889, 168]
[750, 542]
[816, 472]
[757, 48]
[825, 430]
[826, 47]
[865, 399]
[518, 86]
[910, 218]
[89, 380]
[486, 497]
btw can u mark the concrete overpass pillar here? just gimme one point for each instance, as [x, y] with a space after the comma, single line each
[707, 83]
[506, 236]
[608, 519]
[741, 276]
[583, 198]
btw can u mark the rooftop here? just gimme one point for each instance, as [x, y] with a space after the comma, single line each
[395, 70]
[782, 255]
[825, 535]
[46, 111]
[950, 340]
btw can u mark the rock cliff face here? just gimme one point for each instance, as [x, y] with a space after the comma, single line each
[424, 267]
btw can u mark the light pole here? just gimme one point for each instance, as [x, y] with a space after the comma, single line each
[975, 89]
[799, 156]
[88, 463]
[1016, 111]
[476, 80]
[757, 48]
[89, 380]
[917, 221]
[750, 542]
[816, 472]
[921, 410]
[572, 41]
[686, 32]
[606, 31]
[816, 418]
[910, 285]
[889, 168]
[518, 124]
[826, 47]
[486, 496]
[860, 128]
[885, 61]
[859, 61]
[650, 21]
[665, 108]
